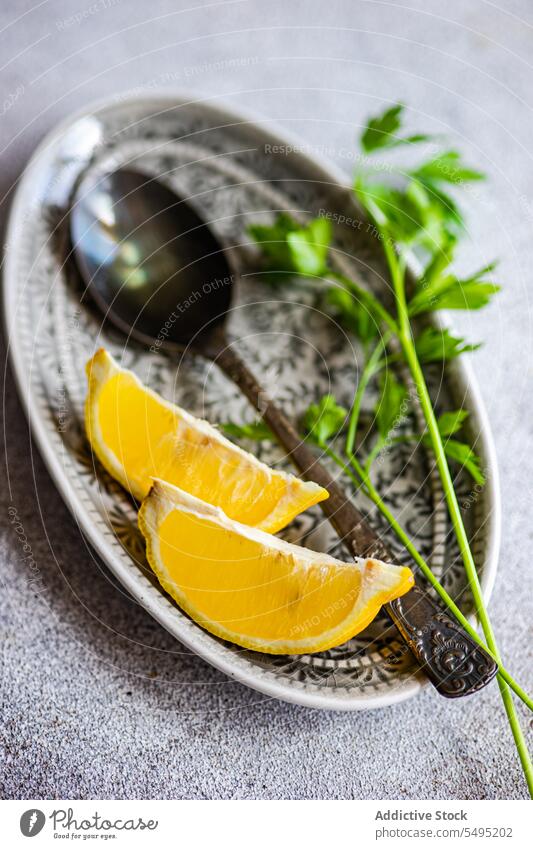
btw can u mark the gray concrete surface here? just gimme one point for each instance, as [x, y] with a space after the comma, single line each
[97, 700]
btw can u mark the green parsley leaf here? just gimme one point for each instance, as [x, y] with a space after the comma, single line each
[381, 131]
[438, 263]
[448, 207]
[289, 248]
[451, 293]
[411, 216]
[258, 430]
[466, 457]
[309, 247]
[450, 423]
[323, 421]
[438, 219]
[446, 167]
[390, 208]
[272, 240]
[433, 345]
[392, 407]
[352, 313]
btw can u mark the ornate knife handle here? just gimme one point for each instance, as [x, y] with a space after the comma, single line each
[454, 663]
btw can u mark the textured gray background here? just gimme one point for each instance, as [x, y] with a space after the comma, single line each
[97, 700]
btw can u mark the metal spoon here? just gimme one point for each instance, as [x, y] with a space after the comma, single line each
[156, 270]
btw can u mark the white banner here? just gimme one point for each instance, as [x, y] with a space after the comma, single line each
[258, 824]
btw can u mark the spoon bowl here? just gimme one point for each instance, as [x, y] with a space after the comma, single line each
[149, 261]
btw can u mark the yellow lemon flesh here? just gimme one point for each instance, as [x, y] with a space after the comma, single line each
[138, 436]
[254, 589]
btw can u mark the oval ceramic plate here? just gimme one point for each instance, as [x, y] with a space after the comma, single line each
[237, 171]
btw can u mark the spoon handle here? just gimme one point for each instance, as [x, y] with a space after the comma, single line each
[454, 663]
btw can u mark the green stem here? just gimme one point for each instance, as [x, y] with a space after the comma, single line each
[371, 367]
[375, 452]
[397, 267]
[435, 583]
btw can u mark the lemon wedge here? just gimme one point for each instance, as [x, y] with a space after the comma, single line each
[254, 589]
[137, 436]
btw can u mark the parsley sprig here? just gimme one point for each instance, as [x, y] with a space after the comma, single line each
[416, 217]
